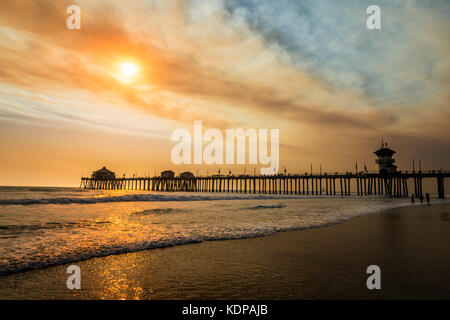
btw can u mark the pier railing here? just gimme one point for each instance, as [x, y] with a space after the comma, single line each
[343, 184]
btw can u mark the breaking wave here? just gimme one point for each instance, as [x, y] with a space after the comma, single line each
[147, 198]
[259, 207]
[156, 211]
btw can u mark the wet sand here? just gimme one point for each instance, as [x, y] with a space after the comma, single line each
[411, 245]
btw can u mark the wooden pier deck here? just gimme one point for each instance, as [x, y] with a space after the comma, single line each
[343, 184]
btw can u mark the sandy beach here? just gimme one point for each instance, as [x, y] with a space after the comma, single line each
[410, 244]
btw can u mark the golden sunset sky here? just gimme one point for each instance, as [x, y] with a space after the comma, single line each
[309, 68]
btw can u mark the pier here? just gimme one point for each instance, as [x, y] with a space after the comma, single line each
[337, 184]
[388, 181]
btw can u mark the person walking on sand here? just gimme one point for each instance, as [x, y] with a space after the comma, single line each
[421, 199]
[412, 199]
[428, 198]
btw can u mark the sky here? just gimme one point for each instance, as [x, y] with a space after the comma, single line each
[311, 69]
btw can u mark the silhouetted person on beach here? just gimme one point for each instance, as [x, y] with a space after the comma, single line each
[428, 198]
[412, 199]
[421, 199]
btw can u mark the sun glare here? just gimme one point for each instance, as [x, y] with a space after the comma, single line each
[128, 69]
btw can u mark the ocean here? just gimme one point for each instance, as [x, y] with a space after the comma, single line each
[41, 227]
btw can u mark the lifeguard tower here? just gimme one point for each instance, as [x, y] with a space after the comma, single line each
[385, 160]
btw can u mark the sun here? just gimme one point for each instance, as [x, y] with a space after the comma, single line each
[128, 69]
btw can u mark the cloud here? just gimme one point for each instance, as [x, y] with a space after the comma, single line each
[84, 61]
[392, 66]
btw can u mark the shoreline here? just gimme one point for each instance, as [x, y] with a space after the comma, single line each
[167, 245]
[319, 263]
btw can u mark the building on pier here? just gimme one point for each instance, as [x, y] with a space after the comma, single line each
[385, 160]
[168, 174]
[103, 174]
[187, 175]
